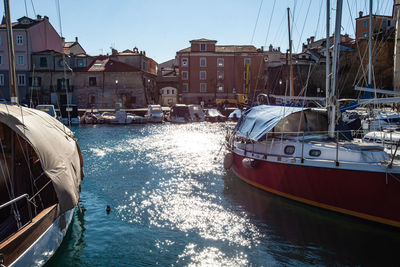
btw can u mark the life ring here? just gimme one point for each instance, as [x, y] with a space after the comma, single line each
[228, 161]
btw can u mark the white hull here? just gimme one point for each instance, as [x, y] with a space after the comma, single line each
[46, 245]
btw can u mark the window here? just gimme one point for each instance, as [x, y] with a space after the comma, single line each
[364, 34]
[365, 23]
[220, 62]
[314, 152]
[389, 21]
[289, 150]
[35, 81]
[1, 40]
[79, 62]
[185, 62]
[20, 60]
[92, 81]
[1, 59]
[383, 23]
[43, 62]
[220, 87]
[203, 87]
[20, 39]
[244, 75]
[61, 63]
[62, 84]
[21, 79]
[220, 75]
[185, 87]
[184, 75]
[203, 75]
[202, 47]
[1, 79]
[203, 62]
[167, 91]
[173, 91]
[247, 61]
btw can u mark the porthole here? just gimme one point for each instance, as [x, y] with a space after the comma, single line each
[289, 150]
[315, 153]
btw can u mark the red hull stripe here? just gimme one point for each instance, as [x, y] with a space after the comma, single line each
[320, 205]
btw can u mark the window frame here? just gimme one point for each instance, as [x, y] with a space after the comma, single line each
[185, 59]
[203, 90]
[218, 61]
[203, 47]
[204, 61]
[1, 79]
[18, 60]
[185, 87]
[19, 39]
[205, 75]
[19, 77]
[186, 76]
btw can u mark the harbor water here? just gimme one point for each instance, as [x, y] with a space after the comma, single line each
[173, 204]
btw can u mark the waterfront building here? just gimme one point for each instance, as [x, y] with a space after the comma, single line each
[380, 24]
[30, 36]
[208, 71]
[167, 82]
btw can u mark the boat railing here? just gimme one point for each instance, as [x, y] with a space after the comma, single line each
[15, 200]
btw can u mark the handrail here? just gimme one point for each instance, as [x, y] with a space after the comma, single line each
[26, 196]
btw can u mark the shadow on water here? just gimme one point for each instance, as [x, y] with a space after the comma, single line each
[297, 233]
[73, 243]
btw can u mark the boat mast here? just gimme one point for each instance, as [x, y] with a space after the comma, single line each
[328, 56]
[290, 56]
[370, 46]
[396, 67]
[332, 99]
[11, 55]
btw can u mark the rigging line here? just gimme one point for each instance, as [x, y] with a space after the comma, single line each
[255, 26]
[304, 24]
[59, 16]
[269, 23]
[319, 16]
[26, 9]
[33, 7]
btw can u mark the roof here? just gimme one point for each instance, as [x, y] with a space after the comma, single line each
[375, 16]
[204, 40]
[21, 25]
[228, 49]
[55, 147]
[69, 44]
[104, 63]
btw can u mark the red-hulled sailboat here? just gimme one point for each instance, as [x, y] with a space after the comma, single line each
[296, 153]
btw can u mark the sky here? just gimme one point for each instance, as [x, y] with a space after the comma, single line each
[161, 27]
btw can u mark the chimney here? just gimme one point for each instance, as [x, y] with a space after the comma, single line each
[46, 17]
[270, 48]
[76, 39]
[312, 39]
[144, 52]
[360, 14]
[39, 17]
[308, 41]
[62, 41]
[114, 52]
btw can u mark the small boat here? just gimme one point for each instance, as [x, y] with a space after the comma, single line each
[235, 115]
[108, 117]
[121, 117]
[154, 114]
[180, 114]
[92, 117]
[49, 109]
[136, 119]
[69, 114]
[213, 115]
[196, 113]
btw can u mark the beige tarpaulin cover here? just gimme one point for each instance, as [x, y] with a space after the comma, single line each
[55, 147]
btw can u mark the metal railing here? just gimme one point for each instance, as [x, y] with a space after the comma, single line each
[26, 196]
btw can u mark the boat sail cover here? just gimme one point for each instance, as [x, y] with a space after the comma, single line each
[258, 121]
[55, 147]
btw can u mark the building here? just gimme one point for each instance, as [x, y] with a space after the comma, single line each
[396, 70]
[30, 36]
[208, 71]
[167, 82]
[107, 81]
[380, 24]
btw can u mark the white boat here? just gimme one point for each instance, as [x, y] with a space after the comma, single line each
[196, 113]
[121, 117]
[154, 114]
[70, 114]
[180, 114]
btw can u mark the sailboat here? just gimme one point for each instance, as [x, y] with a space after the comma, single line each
[40, 175]
[300, 154]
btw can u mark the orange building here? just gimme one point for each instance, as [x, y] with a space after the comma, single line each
[379, 23]
[209, 71]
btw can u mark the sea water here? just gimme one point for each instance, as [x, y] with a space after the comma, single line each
[173, 204]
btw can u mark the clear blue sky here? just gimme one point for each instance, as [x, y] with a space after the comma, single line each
[162, 27]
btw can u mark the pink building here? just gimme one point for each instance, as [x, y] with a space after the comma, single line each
[30, 36]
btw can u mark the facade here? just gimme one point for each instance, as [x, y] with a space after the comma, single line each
[30, 36]
[396, 70]
[106, 83]
[380, 24]
[167, 82]
[208, 71]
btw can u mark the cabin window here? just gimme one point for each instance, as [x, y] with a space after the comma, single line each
[289, 150]
[314, 153]
[185, 87]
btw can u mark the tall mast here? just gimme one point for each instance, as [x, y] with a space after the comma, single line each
[396, 69]
[328, 57]
[335, 63]
[11, 55]
[290, 56]
[370, 46]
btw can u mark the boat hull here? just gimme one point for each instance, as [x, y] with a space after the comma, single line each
[46, 245]
[369, 195]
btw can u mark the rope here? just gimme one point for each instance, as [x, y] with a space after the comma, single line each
[255, 26]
